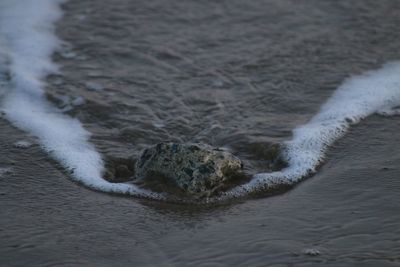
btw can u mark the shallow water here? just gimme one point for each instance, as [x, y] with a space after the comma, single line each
[230, 74]
[227, 75]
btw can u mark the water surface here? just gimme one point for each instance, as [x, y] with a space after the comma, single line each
[227, 73]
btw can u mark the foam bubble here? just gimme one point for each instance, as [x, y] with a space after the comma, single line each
[22, 144]
[5, 171]
[28, 41]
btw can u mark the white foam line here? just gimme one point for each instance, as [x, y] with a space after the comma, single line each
[357, 98]
[28, 39]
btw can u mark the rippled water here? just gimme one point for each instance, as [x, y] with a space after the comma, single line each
[234, 75]
[229, 73]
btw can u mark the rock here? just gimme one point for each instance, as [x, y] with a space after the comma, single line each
[193, 169]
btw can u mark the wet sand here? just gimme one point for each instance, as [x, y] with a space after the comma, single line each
[348, 211]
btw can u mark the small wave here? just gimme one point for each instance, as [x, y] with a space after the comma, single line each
[28, 41]
[357, 98]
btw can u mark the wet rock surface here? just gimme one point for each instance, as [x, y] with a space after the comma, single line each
[194, 169]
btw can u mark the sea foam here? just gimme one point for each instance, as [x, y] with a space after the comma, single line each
[357, 98]
[27, 43]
